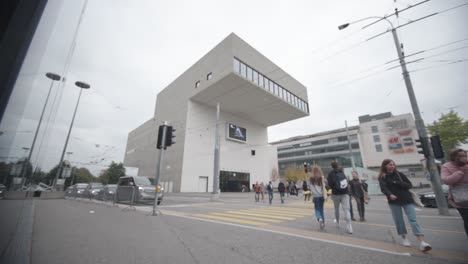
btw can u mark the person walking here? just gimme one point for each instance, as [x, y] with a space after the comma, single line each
[287, 188]
[455, 175]
[319, 193]
[281, 190]
[338, 183]
[358, 189]
[270, 191]
[305, 191]
[257, 190]
[395, 185]
[262, 191]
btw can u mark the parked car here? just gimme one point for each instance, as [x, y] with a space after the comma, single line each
[92, 190]
[79, 189]
[137, 189]
[2, 190]
[107, 193]
[429, 200]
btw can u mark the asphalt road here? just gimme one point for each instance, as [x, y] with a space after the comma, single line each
[235, 229]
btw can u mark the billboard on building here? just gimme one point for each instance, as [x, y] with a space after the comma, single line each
[237, 133]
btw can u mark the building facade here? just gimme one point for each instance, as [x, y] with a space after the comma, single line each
[253, 93]
[376, 138]
[385, 136]
[321, 148]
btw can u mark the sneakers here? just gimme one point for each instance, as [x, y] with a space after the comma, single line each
[322, 224]
[425, 246]
[406, 242]
[349, 228]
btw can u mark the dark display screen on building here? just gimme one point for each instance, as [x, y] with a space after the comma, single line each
[237, 133]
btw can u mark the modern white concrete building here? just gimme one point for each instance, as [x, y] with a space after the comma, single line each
[253, 94]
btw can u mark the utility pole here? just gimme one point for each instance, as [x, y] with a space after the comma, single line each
[215, 193]
[420, 127]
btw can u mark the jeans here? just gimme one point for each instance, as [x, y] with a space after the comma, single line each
[318, 205]
[282, 197]
[464, 214]
[342, 199]
[400, 222]
[257, 196]
[270, 196]
[360, 206]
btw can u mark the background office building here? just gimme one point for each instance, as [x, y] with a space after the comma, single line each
[377, 137]
[321, 148]
[253, 94]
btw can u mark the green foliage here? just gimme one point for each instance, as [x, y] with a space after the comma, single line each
[113, 173]
[294, 174]
[452, 129]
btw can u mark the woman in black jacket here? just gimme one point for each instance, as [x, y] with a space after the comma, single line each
[395, 185]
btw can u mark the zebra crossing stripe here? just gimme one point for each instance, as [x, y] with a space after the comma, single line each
[261, 214]
[262, 219]
[232, 220]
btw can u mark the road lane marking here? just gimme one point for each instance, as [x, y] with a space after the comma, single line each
[269, 216]
[198, 216]
[247, 217]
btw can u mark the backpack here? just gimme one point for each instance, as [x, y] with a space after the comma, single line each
[341, 180]
[269, 188]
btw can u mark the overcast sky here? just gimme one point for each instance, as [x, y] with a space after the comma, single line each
[130, 50]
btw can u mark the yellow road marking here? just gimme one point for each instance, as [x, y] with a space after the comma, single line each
[254, 214]
[247, 222]
[264, 219]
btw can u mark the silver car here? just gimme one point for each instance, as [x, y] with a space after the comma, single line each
[137, 189]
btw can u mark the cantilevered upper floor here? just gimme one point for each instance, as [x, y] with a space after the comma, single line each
[247, 84]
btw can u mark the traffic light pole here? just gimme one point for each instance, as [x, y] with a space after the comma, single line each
[158, 169]
[421, 128]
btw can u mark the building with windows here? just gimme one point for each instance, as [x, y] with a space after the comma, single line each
[385, 136]
[253, 94]
[321, 148]
[376, 138]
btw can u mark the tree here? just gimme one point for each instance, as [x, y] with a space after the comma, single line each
[294, 174]
[113, 173]
[452, 130]
[82, 175]
[274, 175]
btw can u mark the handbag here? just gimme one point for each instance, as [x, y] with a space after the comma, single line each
[414, 196]
[460, 194]
[366, 195]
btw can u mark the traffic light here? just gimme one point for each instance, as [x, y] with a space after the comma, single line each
[160, 135]
[421, 145]
[170, 135]
[437, 147]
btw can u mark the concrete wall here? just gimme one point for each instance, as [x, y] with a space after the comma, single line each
[234, 156]
[141, 148]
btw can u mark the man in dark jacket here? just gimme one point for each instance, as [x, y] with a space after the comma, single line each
[281, 190]
[338, 183]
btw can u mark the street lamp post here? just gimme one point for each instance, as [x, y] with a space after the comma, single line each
[82, 86]
[420, 127]
[54, 77]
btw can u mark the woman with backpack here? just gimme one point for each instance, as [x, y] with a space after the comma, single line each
[395, 185]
